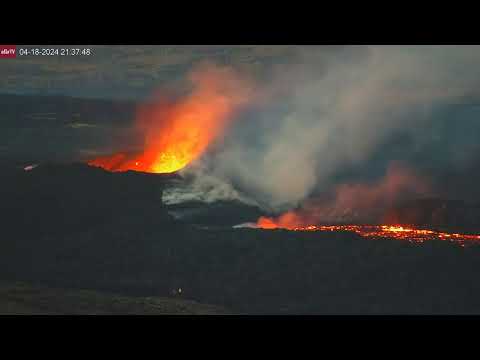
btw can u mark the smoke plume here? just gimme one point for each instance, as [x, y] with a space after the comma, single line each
[354, 203]
[329, 110]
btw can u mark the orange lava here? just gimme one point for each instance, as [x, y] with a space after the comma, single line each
[378, 231]
[178, 132]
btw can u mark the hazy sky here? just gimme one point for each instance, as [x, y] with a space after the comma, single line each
[130, 72]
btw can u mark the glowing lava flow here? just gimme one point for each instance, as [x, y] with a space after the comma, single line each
[379, 231]
[178, 132]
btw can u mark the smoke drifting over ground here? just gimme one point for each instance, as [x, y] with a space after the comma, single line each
[199, 185]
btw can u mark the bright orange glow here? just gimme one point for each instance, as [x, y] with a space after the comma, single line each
[375, 231]
[266, 223]
[177, 133]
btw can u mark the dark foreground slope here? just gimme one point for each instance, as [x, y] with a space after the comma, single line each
[24, 299]
[75, 227]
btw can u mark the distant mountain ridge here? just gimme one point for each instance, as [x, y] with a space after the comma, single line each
[59, 128]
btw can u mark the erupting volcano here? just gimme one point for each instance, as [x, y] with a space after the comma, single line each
[178, 132]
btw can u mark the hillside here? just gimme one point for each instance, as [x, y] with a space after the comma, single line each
[25, 299]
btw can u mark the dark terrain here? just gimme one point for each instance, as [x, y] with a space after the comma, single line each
[78, 227]
[25, 299]
[56, 128]
[77, 239]
[457, 215]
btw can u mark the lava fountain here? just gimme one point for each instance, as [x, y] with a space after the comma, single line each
[178, 132]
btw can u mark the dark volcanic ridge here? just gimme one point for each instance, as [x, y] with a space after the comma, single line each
[66, 198]
[53, 197]
[62, 198]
